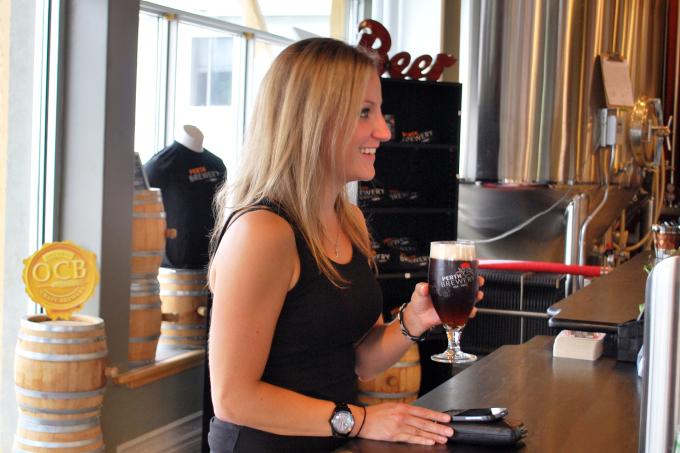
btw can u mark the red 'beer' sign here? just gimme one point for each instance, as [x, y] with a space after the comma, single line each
[398, 66]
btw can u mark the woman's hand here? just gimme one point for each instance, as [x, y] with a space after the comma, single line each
[399, 422]
[422, 312]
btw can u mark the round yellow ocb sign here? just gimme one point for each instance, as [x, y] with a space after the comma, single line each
[60, 277]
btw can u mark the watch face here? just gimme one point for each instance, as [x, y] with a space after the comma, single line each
[343, 422]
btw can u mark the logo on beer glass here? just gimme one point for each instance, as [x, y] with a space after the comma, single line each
[464, 277]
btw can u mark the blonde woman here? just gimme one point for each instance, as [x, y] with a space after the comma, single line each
[297, 310]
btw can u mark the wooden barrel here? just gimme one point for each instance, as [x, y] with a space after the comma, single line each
[184, 296]
[398, 384]
[59, 380]
[145, 320]
[148, 231]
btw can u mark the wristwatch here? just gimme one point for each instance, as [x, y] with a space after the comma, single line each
[342, 420]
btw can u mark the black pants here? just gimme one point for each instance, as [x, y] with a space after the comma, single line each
[225, 437]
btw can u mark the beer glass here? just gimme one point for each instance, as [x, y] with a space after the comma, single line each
[452, 276]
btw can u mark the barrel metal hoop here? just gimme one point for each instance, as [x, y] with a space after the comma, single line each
[42, 357]
[30, 325]
[89, 422]
[146, 253]
[179, 337]
[148, 215]
[183, 282]
[73, 444]
[145, 306]
[180, 347]
[173, 326]
[59, 395]
[183, 293]
[34, 339]
[134, 294]
[43, 427]
[170, 271]
[148, 287]
[405, 364]
[383, 395]
[143, 339]
[40, 410]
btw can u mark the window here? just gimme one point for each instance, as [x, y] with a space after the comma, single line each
[264, 53]
[208, 80]
[293, 19]
[199, 71]
[211, 71]
[198, 64]
[151, 83]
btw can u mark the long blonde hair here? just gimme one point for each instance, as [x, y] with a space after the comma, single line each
[306, 111]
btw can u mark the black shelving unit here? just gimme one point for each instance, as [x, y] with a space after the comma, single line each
[413, 198]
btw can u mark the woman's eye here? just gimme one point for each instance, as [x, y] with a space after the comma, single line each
[365, 112]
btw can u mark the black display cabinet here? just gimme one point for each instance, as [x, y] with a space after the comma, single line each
[413, 198]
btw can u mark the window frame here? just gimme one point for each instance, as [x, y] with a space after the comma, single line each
[174, 18]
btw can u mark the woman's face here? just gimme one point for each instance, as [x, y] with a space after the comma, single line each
[359, 157]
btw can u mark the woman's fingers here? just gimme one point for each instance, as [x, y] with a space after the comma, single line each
[428, 430]
[405, 423]
[428, 414]
[429, 426]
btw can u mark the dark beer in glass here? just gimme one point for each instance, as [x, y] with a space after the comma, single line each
[452, 277]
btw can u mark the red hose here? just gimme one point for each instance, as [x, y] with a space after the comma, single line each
[542, 266]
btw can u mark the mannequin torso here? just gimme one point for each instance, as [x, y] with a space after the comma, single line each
[188, 176]
[191, 137]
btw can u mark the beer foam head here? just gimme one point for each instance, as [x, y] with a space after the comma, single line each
[459, 251]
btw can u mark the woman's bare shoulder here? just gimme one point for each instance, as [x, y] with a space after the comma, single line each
[258, 230]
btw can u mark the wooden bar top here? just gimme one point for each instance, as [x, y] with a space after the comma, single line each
[567, 405]
[605, 303]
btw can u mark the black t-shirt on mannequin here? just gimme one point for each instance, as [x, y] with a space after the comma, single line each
[188, 180]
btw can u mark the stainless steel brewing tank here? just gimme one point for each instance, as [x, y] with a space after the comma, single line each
[486, 210]
[532, 85]
[532, 89]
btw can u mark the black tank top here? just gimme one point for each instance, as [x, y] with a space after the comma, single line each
[312, 350]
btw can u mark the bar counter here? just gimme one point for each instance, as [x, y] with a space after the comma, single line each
[567, 405]
[607, 302]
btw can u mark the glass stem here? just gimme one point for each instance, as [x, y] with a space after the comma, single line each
[453, 337]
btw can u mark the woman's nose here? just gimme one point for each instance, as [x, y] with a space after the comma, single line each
[381, 131]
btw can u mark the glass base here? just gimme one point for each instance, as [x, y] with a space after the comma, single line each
[453, 357]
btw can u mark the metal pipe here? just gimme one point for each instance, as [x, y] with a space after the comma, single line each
[660, 408]
[603, 202]
[543, 266]
[523, 314]
[575, 212]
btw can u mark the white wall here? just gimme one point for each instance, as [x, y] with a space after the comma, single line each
[17, 212]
